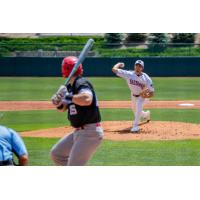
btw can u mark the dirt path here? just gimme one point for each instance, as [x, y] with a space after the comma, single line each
[46, 105]
[120, 131]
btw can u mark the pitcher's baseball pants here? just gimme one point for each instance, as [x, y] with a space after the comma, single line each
[77, 148]
[137, 107]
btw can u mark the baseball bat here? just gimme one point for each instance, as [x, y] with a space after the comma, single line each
[81, 58]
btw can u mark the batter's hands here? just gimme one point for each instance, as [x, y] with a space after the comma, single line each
[62, 91]
[59, 96]
[56, 100]
[62, 97]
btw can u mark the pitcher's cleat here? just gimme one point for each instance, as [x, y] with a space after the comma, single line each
[147, 117]
[135, 129]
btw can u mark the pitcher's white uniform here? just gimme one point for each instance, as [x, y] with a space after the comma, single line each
[136, 84]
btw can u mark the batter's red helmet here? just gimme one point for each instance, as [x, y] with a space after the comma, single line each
[68, 64]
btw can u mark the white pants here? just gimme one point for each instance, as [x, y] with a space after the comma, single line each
[137, 107]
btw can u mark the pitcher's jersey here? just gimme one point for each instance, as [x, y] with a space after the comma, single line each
[136, 83]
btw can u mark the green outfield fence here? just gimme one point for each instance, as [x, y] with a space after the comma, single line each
[99, 66]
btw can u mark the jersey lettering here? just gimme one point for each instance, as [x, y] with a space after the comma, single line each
[134, 82]
[72, 109]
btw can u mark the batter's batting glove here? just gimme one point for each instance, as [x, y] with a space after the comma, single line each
[67, 99]
[56, 100]
[62, 91]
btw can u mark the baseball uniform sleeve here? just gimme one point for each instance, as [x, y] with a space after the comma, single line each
[149, 83]
[83, 86]
[18, 145]
[123, 73]
[86, 91]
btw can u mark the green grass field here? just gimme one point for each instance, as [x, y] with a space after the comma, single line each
[107, 88]
[111, 152]
[34, 120]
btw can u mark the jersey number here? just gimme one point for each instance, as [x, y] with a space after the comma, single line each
[72, 110]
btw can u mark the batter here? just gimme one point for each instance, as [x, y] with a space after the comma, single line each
[80, 101]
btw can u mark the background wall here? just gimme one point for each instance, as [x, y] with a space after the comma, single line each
[154, 66]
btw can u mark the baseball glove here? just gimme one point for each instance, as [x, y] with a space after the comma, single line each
[145, 93]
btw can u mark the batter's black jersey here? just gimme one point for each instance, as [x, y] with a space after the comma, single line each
[81, 115]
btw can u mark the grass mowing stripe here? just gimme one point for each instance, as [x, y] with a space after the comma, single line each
[112, 88]
[179, 115]
[133, 153]
[34, 120]
[148, 153]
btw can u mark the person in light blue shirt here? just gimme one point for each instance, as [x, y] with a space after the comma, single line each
[11, 143]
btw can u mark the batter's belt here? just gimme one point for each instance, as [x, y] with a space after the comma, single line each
[98, 124]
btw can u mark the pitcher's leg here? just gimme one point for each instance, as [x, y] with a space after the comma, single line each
[145, 115]
[133, 106]
[138, 110]
[84, 147]
[133, 103]
[60, 151]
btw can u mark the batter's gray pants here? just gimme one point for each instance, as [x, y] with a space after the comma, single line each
[77, 148]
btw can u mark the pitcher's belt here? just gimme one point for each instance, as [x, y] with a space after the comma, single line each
[136, 95]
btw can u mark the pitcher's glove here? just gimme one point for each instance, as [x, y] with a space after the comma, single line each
[146, 93]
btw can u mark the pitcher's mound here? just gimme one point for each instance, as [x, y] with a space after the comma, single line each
[120, 130]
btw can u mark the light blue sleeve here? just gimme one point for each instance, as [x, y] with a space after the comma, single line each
[18, 145]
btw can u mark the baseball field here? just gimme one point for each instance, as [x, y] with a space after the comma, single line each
[172, 137]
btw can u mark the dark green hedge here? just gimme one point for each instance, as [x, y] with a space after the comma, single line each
[72, 43]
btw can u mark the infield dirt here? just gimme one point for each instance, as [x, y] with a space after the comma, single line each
[47, 105]
[118, 130]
